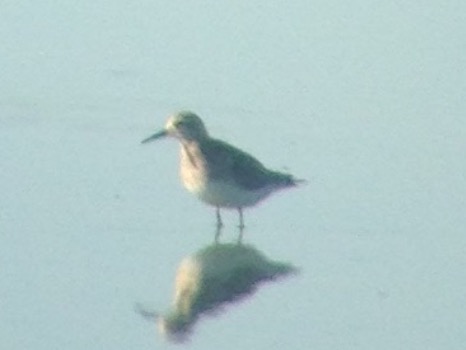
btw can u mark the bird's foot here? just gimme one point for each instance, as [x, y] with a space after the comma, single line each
[241, 228]
[218, 232]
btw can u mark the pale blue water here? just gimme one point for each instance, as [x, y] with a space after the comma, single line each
[365, 100]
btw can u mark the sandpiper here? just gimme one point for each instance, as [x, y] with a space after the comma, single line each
[218, 173]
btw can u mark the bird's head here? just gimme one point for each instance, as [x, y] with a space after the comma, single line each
[185, 126]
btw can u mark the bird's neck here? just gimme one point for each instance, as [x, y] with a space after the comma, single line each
[193, 142]
[190, 151]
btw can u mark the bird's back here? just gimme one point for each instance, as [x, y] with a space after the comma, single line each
[245, 170]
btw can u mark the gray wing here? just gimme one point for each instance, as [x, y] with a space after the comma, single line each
[247, 171]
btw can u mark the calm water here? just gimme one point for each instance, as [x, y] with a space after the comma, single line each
[363, 100]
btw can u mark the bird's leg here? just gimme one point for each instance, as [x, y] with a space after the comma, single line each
[241, 225]
[241, 221]
[218, 230]
[219, 218]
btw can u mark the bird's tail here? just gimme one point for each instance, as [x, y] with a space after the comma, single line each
[297, 182]
[287, 180]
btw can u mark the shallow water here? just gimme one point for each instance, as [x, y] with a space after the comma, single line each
[364, 102]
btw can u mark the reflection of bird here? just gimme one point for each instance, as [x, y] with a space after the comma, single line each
[214, 276]
[218, 173]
